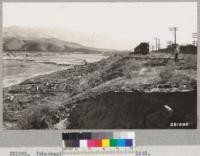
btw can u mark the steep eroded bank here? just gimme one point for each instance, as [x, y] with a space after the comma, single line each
[128, 110]
[122, 91]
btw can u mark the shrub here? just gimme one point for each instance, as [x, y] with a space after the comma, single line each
[190, 61]
[82, 86]
[166, 73]
[131, 69]
[92, 80]
[35, 117]
[6, 115]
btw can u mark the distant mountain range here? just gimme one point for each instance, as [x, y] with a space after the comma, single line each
[49, 39]
[46, 45]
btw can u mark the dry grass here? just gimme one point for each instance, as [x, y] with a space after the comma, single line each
[190, 62]
[166, 73]
[36, 117]
[131, 69]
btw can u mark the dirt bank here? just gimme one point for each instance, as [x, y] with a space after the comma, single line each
[125, 110]
[122, 91]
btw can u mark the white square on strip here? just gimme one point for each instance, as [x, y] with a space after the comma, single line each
[83, 143]
[131, 135]
[124, 135]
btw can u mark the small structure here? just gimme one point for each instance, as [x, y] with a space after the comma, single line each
[188, 49]
[184, 49]
[142, 48]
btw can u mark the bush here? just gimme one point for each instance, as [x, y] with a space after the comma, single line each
[131, 69]
[82, 86]
[166, 74]
[190, 61]
[6, 115]
[35, 117]
[92, 80]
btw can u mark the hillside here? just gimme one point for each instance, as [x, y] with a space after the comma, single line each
[46, 45]
[86, 39]
[122, 91]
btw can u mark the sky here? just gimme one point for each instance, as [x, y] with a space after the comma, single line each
[127, 23]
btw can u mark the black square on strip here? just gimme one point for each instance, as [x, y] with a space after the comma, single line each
[68, 143]
[73, 136]
[65, 136]
[81, 136]
[87, 136]
[76, 143]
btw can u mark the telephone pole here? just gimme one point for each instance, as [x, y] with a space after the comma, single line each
[156, 39]
[152, 47]
[174, 30]
[158, 44]
[195, 38]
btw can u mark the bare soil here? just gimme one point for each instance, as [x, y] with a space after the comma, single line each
[122, 91]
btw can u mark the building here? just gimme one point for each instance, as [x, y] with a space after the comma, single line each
[142, 48]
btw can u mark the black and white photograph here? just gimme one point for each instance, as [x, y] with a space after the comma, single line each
[99, 65]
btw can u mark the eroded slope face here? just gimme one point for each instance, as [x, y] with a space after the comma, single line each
[128, 110]
[122, 91]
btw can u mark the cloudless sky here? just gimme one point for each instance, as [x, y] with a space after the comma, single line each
[129, 23]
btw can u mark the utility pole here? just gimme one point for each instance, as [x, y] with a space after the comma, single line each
[156, 39]
[158, 44]
[152, 47]
[195, 37]
[174, 30]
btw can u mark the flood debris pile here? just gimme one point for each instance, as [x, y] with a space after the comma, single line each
[122, 91]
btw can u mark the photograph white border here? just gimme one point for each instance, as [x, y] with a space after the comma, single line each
[52, 138]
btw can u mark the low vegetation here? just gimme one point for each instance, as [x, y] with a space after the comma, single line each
[166, 73]
[57, 95]
[190, 62]
[37, 117]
